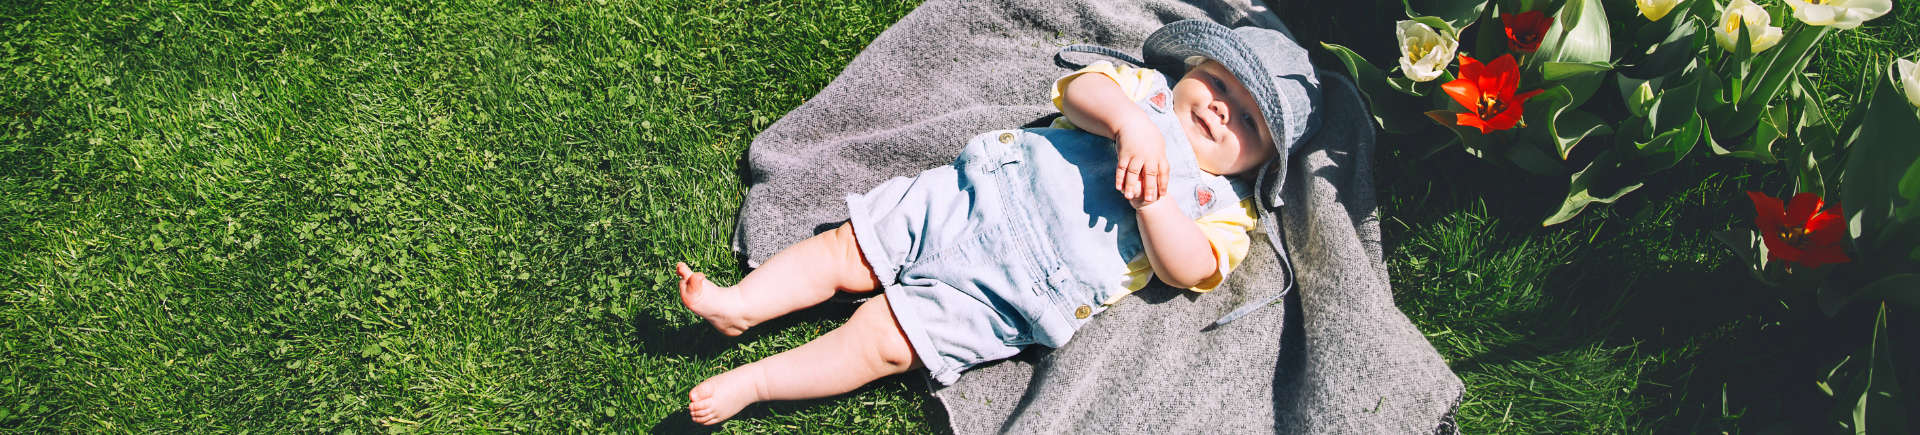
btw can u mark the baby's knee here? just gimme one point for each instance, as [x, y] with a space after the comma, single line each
[895, 356]
[855, 274]
[843, 235]
[887, 347]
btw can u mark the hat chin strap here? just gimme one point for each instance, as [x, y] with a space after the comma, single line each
[1277, 238]
[1060, 57]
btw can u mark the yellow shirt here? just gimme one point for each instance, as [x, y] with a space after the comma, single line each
[1226, 229]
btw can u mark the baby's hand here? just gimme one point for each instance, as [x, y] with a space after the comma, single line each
[1143, 172]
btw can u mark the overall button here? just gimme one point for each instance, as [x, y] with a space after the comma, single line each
[1006, 137]
[1082, 312]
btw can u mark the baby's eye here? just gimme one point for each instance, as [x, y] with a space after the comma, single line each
[1247, 119]
[1222, 86]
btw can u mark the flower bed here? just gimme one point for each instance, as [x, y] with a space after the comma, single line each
[1606, 94]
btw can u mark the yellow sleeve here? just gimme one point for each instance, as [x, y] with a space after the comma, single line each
[1132, 82]
[1226, 229]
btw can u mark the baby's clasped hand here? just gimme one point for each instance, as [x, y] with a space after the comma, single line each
[1142, 173]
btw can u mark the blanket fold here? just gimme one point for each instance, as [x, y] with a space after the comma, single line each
[1337, 356]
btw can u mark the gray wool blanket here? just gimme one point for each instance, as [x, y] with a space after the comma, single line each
[1336, 356]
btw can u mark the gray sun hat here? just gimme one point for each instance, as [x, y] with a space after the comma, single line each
[1274, 69]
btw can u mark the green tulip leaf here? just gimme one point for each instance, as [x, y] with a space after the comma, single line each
[1809, 177]
[1557, 71]
[1775, 67]
[1438, 24]
[1457, 13]
[1601, 182]
[1407, 86]
[1769, 74]
[1668, 147]
[1637, 93]
[1533, 160]
[1390, 109]
[1580, 33]
[1759, 145]
[1471, 140]
[1675, 106]
[1713, 99]
[1748, 250]
[1672, 51]
[1490, 42]
[1879, 157]
[1551, 118]
[1910, 183]
[1572, 127]
[1878, 408]
[1903, 289]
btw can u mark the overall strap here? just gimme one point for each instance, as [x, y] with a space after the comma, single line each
[1060, 57]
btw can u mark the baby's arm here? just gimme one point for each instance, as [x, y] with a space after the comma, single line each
[1100, 107]
[1181, 255]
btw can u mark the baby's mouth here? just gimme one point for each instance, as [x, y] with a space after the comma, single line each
[1204, 125]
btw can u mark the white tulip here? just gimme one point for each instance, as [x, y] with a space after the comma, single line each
[1839, 14]
[1761, 34]
[1654, 10]
[1424, 52]
[1909, 79]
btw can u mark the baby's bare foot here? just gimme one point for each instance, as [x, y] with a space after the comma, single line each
[720, 306]
[720, 397]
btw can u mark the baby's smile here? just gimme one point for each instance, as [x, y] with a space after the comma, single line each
[1221, 120]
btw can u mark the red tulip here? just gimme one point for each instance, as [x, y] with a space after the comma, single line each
[1524, 30]
[1487, 93]
[1802, 233]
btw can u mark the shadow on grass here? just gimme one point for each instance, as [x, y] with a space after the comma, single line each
[680, 422]
[661, 337]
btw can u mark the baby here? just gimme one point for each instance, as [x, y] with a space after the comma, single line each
[1020, 240]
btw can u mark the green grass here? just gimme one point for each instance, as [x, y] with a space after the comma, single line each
[459, 215]
[375, 215]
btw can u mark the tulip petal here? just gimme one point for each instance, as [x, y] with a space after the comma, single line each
[1522, 98]
[1779, 250]
[1504, 120]
[1463, 91]
[1767, 213]
[1470, 68]
[1815, 15]
[1910, 80]
[1827, 227]
[1801, 208]
[1824, 255]
[1501, 77]
[1515, 108]
[1471, 120]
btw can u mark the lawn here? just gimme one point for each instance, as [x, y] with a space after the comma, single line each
[460, 216]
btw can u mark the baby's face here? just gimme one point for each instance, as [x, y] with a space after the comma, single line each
[1222, 122]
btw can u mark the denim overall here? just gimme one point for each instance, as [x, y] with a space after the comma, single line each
[1021, 240]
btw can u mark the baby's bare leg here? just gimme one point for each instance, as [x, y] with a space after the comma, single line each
[803, 275]
[868, 347]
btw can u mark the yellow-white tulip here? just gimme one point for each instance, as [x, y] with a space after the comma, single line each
[1839, 14]
[1909, 80]
[1424, 52]
[1654, 10]
[1761, 33]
